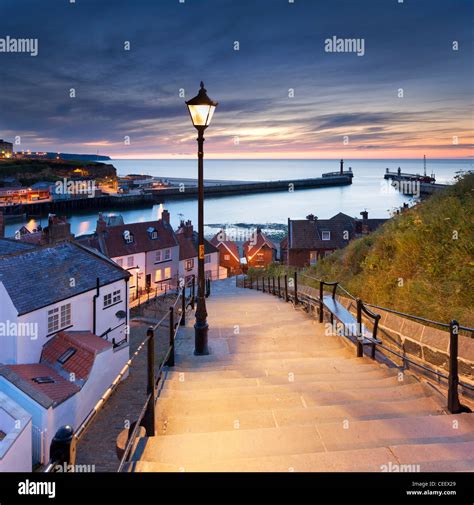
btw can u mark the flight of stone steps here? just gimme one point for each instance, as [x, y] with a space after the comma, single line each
[279, 394]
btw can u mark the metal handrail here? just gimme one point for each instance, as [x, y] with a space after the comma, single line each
[454, 405]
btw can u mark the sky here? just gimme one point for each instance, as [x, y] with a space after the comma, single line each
[281, 93]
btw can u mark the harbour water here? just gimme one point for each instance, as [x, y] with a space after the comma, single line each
[369, 191]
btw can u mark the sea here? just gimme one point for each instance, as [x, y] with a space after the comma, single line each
[369, 191]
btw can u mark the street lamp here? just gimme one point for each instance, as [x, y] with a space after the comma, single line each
[201, 109]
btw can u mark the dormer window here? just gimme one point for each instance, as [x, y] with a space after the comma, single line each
[326, 235]
[128, 237]
[152, 233]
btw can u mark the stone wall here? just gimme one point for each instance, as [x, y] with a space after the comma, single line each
[423, 344]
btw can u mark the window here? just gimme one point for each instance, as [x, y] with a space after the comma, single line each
[65, 315]
[130, 261]
[158, 256]
[116, 296]
[128, 237]
[167, 273]
[108, 300]
[66, 355]
[207, 258]
[226, 257]
[158, 275]
[189, 265]
[119, 262]
[313, 257]
[167, 254]
[58, 318]
[326, 235]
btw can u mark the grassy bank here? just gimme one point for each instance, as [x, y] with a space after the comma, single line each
[420, 262]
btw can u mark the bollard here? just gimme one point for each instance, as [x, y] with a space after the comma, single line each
[279, 288]
[149, 417]
[170, 361]
[360, 347]
[62, 450]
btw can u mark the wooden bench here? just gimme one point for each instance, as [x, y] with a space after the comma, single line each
[350, 322]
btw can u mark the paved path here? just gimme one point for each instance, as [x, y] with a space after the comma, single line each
[278, 394]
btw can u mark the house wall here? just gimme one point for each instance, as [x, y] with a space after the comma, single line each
[29, 347]
[265, 256]
[211, 269]
[15, 448]
[152, 266]
[231, 264]
[139, 260]
[8, 313]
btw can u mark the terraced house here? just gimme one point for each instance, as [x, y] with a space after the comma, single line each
[64, 329]
[149, 251]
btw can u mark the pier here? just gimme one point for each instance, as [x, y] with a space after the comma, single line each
[179, 189]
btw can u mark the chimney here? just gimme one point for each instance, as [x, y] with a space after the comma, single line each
[101, 224]
[365, 215]
[165, 216]
[187, 228]
[58, 230]
[342, 167]
[2, 225]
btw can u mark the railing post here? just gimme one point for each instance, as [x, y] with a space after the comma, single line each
[263, 284]
[273, 285]
[170, 361]
[454, 406]
[194, 293]
[149, 418]
[296, 288]
[321, 305]
[360, 347]
[286, 288]
[62, 450]
[279, 288]
[183, 306]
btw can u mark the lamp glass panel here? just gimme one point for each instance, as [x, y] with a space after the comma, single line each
[201, 114]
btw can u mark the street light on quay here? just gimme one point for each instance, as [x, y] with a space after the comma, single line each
[201, 109]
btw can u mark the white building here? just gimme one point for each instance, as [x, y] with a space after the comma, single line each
[188, 255]
[149, 251]
[64, 329]
[15, 437]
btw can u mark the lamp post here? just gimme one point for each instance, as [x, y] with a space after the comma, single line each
[201, 109]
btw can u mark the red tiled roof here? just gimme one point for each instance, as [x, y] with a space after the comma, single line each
[86, 345]
[230, 245]
[111, 242]
[251, 249]
[188, 245]
[58, 391]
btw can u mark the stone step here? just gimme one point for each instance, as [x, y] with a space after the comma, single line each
[266, 368]
[228, 391]
[457, 457]
[172, 425]
[194, 448]
[364, 460]
[175, 406]
[187, 385]
[402, 431]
